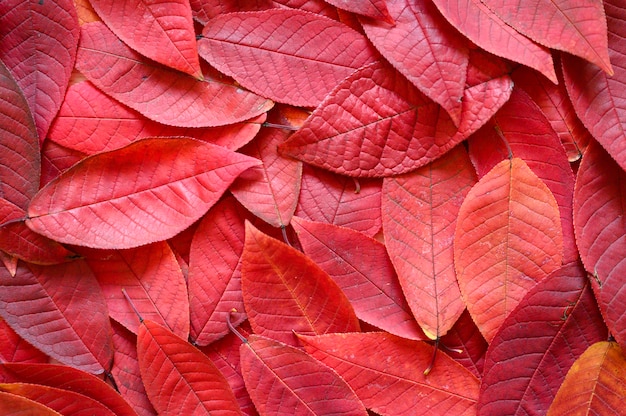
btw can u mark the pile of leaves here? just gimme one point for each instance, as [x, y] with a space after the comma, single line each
[300, 207]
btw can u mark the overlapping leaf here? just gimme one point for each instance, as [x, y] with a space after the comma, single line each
[423, 48]
[386, 372]
[508, 237]
[161, 30]
[179, 379]
[282, 379]
[361, 268]
[599, 201]
[38, 44]
[11, 404]
[419, 211]
[470, 346]
[285, 291]
[529, 357]
[598, 98]
[158, 93]
[289, 56]
[376, 9]
[21, 242]
[14, 349]
[61, 311]
[147, 191]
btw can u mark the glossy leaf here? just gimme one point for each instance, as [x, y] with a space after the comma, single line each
[376, 9]
[13, 349]
[147, 191]
[419, 211]
[508, 237]
[285, 291]
[158, 93]
[61, 311]
[162, 30]
[179, 379]
[387, 373]
[13, 405]
[597, 97]
[289, 56]
[483, 27]
[20, 165]
[529, 357]
[363, 271]
[38, 44]
[599, 201]
[596, 383]
[284, 380]
[423, 48]
[377, 124]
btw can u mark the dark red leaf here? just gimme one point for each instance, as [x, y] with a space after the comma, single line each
[159, 93]
[203, 10]
[55, 159]
[21, 242]
[60, 310]
[289, 56]
[14, 349]
[466, 337]
[147, 191]
[376, 9]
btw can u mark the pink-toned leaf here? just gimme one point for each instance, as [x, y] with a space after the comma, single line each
[376, 9]
[61, 311]
[203, 10]
[21, 242]
[179, 379]
[336, 199]
[484, 66]
[159, 93]
[126, 371]
[577, 27]
[68, 378]
[270, 191]
[422, 46]
[19, 168]
[289, 56]
[375, 123]
[90, 121]
[161, 30]
[315, 6]
[13, 405]
[145, 192]
[14, 349]
[363, 271]
[599, 99]
[56, 159]
[387, 373]
[151, 277]
[599, 205]
[483, 27]
[285, 380]
[419, 211]
[508, 237]
[285, 291]
[38, 44]
[215, 271]
[529, 357]
[466, 337]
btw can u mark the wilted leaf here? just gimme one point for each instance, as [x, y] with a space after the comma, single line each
[147, 191]
[508, 237]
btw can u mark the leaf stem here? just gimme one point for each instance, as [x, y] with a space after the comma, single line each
[132, 305]
[233, 329]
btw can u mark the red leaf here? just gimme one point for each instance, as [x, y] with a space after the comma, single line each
[68, 378]
[599, 201]
[147, 191]
[161, 30]
[13, 405]
[152, 278]
[577, 27]
[528, 358]
[285, 380]
[423, 48]
[336, 199]
[375, 123]
[508, 237]
[158, 93]
[179, 379]
[483, 27]
[14, 349]
[19, 167]
[465, 336]
[386, 372]
[270, 191]
[597, 97]
[284, 291]
[363, 271]
[215, 271]
[90, 121]
[61, 311]
[38, 45]
[376, 9]
[203, 10]
[289, 56]
[21, 242]
[419, 213]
